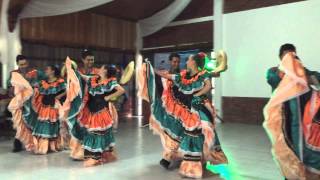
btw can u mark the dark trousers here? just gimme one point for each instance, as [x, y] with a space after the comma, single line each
[17, 145]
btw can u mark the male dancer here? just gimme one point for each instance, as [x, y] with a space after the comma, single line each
[87, 58]
[174, 59]
[31, 75]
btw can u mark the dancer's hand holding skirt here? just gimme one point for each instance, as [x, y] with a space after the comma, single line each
[292, 121]
[185, 122]
[90, 118]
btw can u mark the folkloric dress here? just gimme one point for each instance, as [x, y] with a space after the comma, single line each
[184, 122]
[36, 113]
[90, 117]
[67, 140]
[292, 119]
[46, 106]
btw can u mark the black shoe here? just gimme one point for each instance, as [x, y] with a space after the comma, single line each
[164, 163]
[17, 146]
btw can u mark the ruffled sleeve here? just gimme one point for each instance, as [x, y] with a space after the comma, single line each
[190, 85]
[112, 84]
[52, 88]
[96, 87]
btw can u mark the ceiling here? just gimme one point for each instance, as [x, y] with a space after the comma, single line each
[134, 10]
[131, 10]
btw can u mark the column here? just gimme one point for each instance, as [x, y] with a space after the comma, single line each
[217, 45]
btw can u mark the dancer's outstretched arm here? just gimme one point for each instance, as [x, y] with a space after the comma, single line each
[118, 93]
[164, 74]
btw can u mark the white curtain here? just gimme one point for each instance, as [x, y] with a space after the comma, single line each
[151, 25]
[42, 8]
[156, 22]
[161, 19]
[10, 45]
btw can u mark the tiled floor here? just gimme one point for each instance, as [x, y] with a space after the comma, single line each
[246, 146]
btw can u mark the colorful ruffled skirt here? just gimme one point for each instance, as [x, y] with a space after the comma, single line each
[37, 124]
[91, 130]
[92, 136]
[187, 133]
[292, 120]
[46, 130]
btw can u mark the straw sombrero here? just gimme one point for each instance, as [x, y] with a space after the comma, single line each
[127, 73]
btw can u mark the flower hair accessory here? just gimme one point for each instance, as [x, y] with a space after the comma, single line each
[202, 55]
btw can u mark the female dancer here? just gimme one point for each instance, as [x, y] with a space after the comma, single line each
[185, 123]
[35, 111]
[91, 115]
[292, 117]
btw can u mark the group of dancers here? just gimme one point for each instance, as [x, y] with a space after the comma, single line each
[76, 99]
[182, 114]
[79, 100]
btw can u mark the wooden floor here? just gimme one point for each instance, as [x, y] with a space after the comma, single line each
[246, 146]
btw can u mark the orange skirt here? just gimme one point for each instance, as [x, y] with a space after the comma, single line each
[45, 112]
[97, 121]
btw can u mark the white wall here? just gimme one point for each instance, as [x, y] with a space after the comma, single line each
[252, 39]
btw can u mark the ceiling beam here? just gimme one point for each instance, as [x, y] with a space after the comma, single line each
[191, 21]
